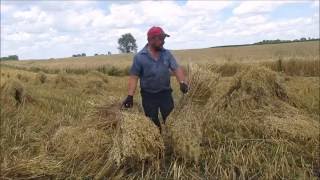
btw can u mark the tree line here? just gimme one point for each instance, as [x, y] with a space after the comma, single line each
[10, 58]
[127, 44]
[286, 41]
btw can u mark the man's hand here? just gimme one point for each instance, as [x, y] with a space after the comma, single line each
[128, 102]
[184, 88]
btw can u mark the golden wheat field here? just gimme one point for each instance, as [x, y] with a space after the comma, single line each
[252, 113]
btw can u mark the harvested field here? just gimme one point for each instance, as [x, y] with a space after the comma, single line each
[238, 121]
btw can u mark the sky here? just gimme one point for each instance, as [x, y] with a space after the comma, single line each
[55, 29]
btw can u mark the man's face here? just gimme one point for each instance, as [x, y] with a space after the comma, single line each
[157, 42]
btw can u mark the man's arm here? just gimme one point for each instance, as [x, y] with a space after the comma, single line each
[184, 88]
[132, 84]
[178, 72]
[179, 75]
[176, 69]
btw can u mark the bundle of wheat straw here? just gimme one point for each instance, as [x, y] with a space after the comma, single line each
[185, 123]
[95, 87]
[15, 93]
[62, 80]
[86, 147]
[41, 77]
[97, 74]
[185, 131]
[40, 167]
[137, 140]
[254, 87]
[201, 83]
[258, 95]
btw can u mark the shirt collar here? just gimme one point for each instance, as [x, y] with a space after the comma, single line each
[145, 49]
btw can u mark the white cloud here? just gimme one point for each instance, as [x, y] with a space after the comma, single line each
[94, 24]
[33, 20]
[213, 6]
[19, 36]
[44, 29]
[250, 20]
[5, 8]
[257, 7]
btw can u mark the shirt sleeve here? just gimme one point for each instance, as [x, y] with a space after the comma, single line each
[173, 63]
[136, 67]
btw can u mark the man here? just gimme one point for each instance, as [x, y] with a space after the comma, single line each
[152, 65]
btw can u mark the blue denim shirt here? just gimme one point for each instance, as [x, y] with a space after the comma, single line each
[154, 75]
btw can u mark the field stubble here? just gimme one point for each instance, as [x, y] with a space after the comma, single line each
[252, 125]
[239, 121]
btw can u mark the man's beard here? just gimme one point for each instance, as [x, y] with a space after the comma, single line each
[155, 47]
[158, 48]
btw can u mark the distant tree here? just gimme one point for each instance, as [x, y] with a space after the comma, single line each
[285, 41]
[276, 41]
[303, 39]
[10, 58]
[109, 53]
[127, 43]
[96, 54]
[79, 55]
[13, 57]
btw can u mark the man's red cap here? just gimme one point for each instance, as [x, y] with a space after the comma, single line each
[155, 31]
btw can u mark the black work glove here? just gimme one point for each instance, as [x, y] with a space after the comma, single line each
[128, 102]
[184, 88]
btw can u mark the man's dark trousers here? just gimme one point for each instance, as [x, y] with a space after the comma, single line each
[153, 102]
